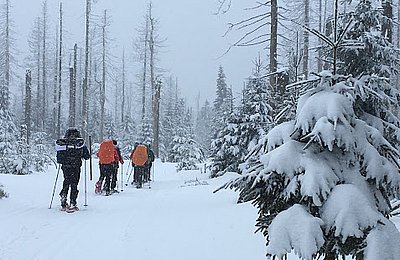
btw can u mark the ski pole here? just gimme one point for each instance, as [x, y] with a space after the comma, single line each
[122, 177]
[126, 184]
[55, 184]
[154, 166]
[90, 159]
[127, 170]
[85, 186]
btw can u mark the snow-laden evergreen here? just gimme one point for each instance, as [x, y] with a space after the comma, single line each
[245, 126]
[185, 151]
[332, 169]
[127, 135]
[202, 128]
[15, 156]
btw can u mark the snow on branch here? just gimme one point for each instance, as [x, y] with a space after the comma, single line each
[295, 229]
[348, 212]
[311, 107]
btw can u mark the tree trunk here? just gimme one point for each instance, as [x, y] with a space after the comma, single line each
[59, 76]
[28, 103]
[319, 66]
[72, 90]
[123, 87]
[55, 92]
[156, 122]
[388, 12]
[306, 36]
[103, 81]
[85, 101]
[43, 100]
[7, 72]
[71, 98]
[144, 70]
[273, 48]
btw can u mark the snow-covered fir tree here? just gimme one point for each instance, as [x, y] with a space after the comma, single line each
[244, 127]
[222, 103]
[13, 160]
[328, 175]
[184, 149]
[256, 110]
[41, 153]
[109, 127]
[127, 135]
[228, 148]
[202, 129]
[145, 134]
[329, 171]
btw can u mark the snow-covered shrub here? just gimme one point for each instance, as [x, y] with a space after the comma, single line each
[42, 152]
[3, 194]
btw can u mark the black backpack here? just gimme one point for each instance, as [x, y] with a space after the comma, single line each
[70, 151]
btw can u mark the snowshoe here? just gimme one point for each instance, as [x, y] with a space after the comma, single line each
[64, 207]
[114, 191]
[72, 209]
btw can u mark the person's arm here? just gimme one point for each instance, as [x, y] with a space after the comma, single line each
[86, 154]
[121, 160]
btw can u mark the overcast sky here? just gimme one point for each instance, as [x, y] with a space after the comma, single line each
[194, 36]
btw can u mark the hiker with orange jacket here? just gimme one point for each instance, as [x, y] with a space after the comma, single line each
[139, 157]
[117, 161]
[107, 156]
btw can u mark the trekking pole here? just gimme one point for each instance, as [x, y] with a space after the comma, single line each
[85, 186]
[126, 184]
[154, 166]
[122, 177]
[90, 159]
[55, 184]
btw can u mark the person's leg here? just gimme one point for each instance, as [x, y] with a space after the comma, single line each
[76, 172]
[114, 178]
[65, 187]
[108, 168]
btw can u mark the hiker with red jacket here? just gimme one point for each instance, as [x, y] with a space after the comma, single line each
[107, 156]
[117, 161]
[139, 157]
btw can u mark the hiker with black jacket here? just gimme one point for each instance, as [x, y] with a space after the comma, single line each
[149, 163]
[70, 152]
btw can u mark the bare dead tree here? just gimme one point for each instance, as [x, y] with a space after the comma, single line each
[72, 90]
[123, 86]
[28, 103]
[59, 72]
[85, 100]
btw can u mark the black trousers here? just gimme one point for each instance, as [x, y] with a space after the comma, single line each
[71, 180]
[106, 170]
[114, 178]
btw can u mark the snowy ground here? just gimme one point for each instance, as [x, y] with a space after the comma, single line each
[179, 218]
[175, 219]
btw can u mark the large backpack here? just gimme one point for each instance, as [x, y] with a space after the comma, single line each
[139, 156]
[106, 152]
[70, 151]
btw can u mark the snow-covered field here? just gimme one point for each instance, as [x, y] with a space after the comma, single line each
[179, 218]
[175, 219]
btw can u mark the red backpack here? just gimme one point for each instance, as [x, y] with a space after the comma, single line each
[139, 155]
[106, 152]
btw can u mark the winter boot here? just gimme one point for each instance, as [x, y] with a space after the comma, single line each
[97, 189]
[64, 203]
